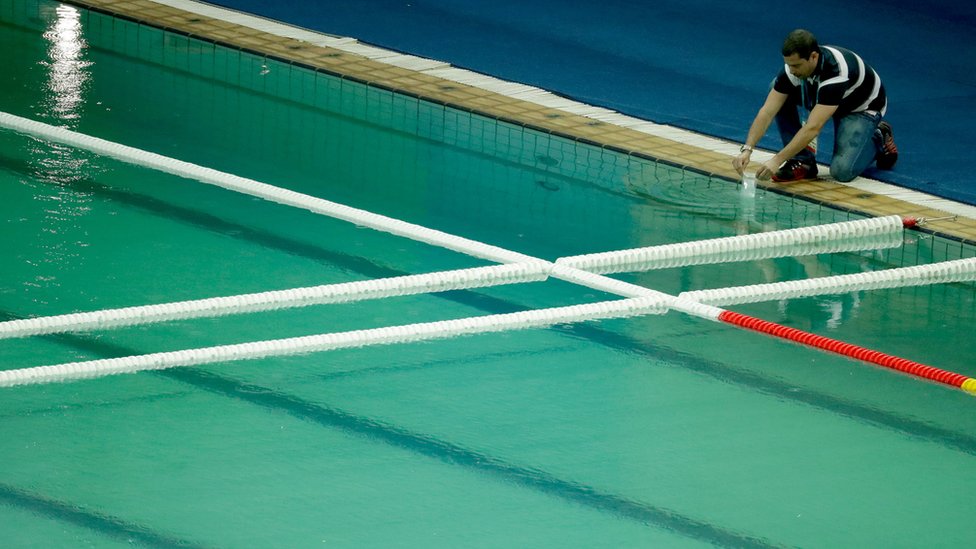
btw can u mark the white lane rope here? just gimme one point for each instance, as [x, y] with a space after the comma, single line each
[959, 270]
[325, 342]
[479, 277]
[261, 190]
[861, 234]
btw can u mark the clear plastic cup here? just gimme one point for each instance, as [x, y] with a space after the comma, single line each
[749, 183]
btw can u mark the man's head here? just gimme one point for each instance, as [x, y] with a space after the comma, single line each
[801, 53]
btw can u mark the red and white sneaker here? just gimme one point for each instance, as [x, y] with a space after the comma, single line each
[794, 170]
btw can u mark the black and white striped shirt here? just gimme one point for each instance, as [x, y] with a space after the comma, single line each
[842, 78]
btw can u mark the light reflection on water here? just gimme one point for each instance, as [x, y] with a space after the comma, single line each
[60, 235]
[67, 68]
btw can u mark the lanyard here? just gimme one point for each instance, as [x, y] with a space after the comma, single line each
[803, 94]
[812, 147]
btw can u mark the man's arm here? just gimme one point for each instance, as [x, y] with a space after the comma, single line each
[774, 102]
[810, 130]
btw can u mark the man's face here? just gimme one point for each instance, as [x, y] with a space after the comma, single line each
[802, 68]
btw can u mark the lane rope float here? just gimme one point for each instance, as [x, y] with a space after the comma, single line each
[853, 351]
[861, 234]
[341, 340]
[959, 270]
[479, 277]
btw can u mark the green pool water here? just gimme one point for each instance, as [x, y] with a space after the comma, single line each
[658, 431]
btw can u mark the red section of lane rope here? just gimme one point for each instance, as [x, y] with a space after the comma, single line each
[847, 349]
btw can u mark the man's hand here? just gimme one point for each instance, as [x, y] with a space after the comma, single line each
[740, 162]
[767, 170]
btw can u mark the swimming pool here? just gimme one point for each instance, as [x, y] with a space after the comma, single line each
[665, 430]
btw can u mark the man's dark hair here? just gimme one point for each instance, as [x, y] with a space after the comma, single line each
[801, 42]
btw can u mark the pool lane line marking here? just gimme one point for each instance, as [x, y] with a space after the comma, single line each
[453, 454]
[332, 209]
[82, 515]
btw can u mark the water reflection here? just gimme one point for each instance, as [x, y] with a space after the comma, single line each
[67, 68]
[60, 236]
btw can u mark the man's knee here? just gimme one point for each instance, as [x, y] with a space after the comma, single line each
[842, 173]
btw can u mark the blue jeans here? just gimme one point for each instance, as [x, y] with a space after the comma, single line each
[855, 143]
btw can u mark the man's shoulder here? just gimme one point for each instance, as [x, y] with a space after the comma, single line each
[838, 54]
[832, 48]
[836, 62]
[784, 81]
